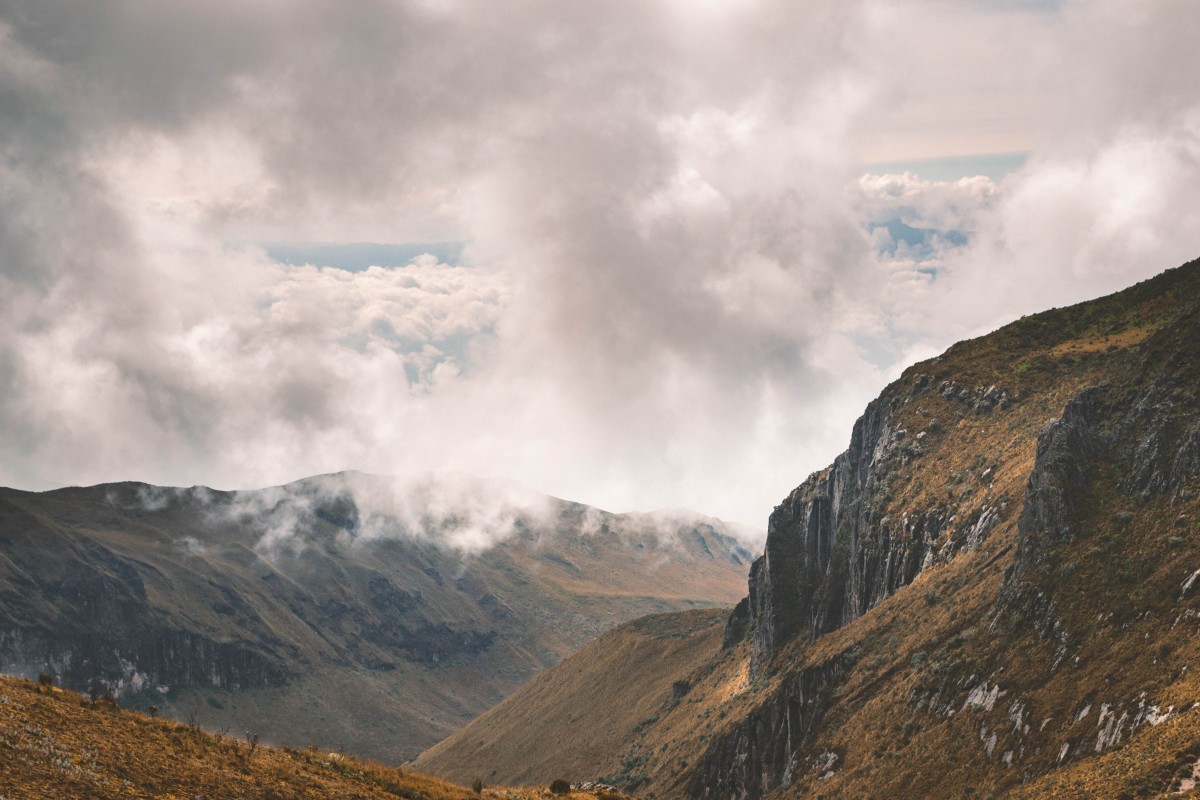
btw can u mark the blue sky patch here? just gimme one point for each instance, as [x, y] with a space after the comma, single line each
[358, 256]
[919, 244]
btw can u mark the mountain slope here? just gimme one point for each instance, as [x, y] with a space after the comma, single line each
[597, 701]
[994, 586]
[59, 744]
[349, 610]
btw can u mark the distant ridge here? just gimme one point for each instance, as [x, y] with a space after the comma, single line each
[362, 612]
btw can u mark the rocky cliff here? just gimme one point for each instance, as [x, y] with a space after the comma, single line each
[833, 548]
[1126, 438]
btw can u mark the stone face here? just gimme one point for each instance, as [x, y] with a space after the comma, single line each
[759, 755]
[1065, 449]
[830, 554]
[1147, 430]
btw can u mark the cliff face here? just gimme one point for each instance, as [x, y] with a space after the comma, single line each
[1147, 432]
[834, 550]
[1117, 466]
[762, 753]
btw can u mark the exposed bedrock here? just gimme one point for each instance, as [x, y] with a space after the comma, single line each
[763, 752]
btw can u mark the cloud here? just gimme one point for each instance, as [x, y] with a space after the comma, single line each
[945, 205]
[670, 291]
[455, 511]
[452, 510]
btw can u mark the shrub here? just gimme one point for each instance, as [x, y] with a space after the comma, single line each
[644, 724]
[45, 679]
[559, 786]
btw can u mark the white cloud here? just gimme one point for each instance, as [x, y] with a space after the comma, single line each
[946, 205]
[672, 296]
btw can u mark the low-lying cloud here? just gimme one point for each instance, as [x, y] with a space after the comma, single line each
[461, 513]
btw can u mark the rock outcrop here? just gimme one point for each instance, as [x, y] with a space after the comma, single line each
[1147, 431]
[832, 551]
[1066, 450]
[759, 756]
[828, 557]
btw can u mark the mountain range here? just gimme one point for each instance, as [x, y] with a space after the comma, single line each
[354, 611]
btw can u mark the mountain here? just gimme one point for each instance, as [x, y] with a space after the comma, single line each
[61, 744]
[994, 591]
[355, 611]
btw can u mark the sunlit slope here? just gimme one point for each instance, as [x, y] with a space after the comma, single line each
[576, 719]
[59, 744]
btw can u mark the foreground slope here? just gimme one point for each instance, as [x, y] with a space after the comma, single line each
[346, 610]
[995, 589]
[58, 744]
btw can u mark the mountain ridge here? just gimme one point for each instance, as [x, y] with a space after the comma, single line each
[986, 588]
[294, 609]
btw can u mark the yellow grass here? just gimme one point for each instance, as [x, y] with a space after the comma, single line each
[58, 744]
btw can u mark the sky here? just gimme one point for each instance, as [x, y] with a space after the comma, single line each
[638, 254]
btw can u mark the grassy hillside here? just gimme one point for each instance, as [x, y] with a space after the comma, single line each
[323, 611]
[1034, 658]
[59, 744]
[577, 719]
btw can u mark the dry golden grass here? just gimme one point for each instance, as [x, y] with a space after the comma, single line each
[1160, 762]
[577, 720]
[58, 744]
